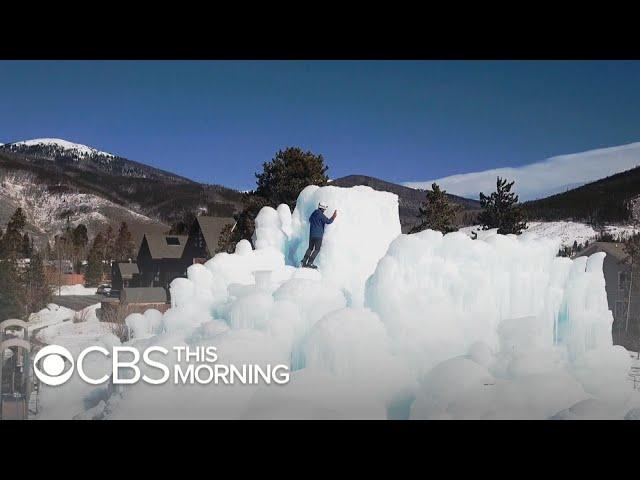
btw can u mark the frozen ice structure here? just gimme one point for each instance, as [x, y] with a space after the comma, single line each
[424, 326]
[352, 245]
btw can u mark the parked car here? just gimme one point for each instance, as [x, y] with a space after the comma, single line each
[104, 289]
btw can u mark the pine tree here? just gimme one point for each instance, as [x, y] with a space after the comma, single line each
[80, 237]
[437, 212]
[291, 170]
[11, 293]
[93, 275]
[37, 293]
[12, 241]
[26, 249]
[124, 245]
[501, 210]
[109, 244]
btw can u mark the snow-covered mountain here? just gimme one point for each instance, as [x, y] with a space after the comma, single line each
[63, 153]
[54, 179]
[548, 177]
[74, 149]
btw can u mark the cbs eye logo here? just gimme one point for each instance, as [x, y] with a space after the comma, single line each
[53, 361]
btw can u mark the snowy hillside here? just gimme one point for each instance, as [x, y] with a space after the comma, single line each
[547, 177]
[47, 209]
[567, 232]
[65, 153]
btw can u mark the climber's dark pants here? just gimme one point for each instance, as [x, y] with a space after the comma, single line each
[312, 251]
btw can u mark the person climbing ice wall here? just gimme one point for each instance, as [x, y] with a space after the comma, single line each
[317, 221]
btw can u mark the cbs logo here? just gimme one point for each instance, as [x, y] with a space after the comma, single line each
[53, 363]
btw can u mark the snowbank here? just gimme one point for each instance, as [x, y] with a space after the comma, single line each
[389, 326]
[50, 316]
[566, 232]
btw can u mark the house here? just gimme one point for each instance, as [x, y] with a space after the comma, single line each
[160, 259]
[204, 237]
[621, 292]
[124, 275]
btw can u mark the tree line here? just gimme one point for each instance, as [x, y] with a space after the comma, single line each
[23, 284]
[28, 274]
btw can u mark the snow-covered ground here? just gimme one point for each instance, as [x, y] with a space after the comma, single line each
[77, 289]
[51, 315]
[70, 334]
[55, 314]
[567, 232]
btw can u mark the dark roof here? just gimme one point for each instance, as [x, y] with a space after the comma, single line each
[613, 249]
[143, 295]
[159, 248]
[211, 228]
[128, 270]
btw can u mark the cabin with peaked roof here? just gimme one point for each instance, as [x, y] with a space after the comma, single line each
[160, 259]
[124, 275]
[204, 238]
[623, 293]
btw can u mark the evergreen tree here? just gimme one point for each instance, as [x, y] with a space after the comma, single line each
[437, 212]
[99, 245]
[109, 244]
[11, 293]
[80, 237]
[291, 170]
[93, 275]
[26, 248]
[37, 293]
[12, 241]
[501, 210]
[124, 245]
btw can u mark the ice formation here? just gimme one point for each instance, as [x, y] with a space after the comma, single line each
[367, 223]
[419, 326]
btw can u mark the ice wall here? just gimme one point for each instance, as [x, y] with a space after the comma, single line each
[438, 294]
[367, 222]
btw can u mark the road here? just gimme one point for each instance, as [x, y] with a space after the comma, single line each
[77, 302]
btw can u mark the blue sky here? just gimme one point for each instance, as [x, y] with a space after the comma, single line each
[398, 120]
